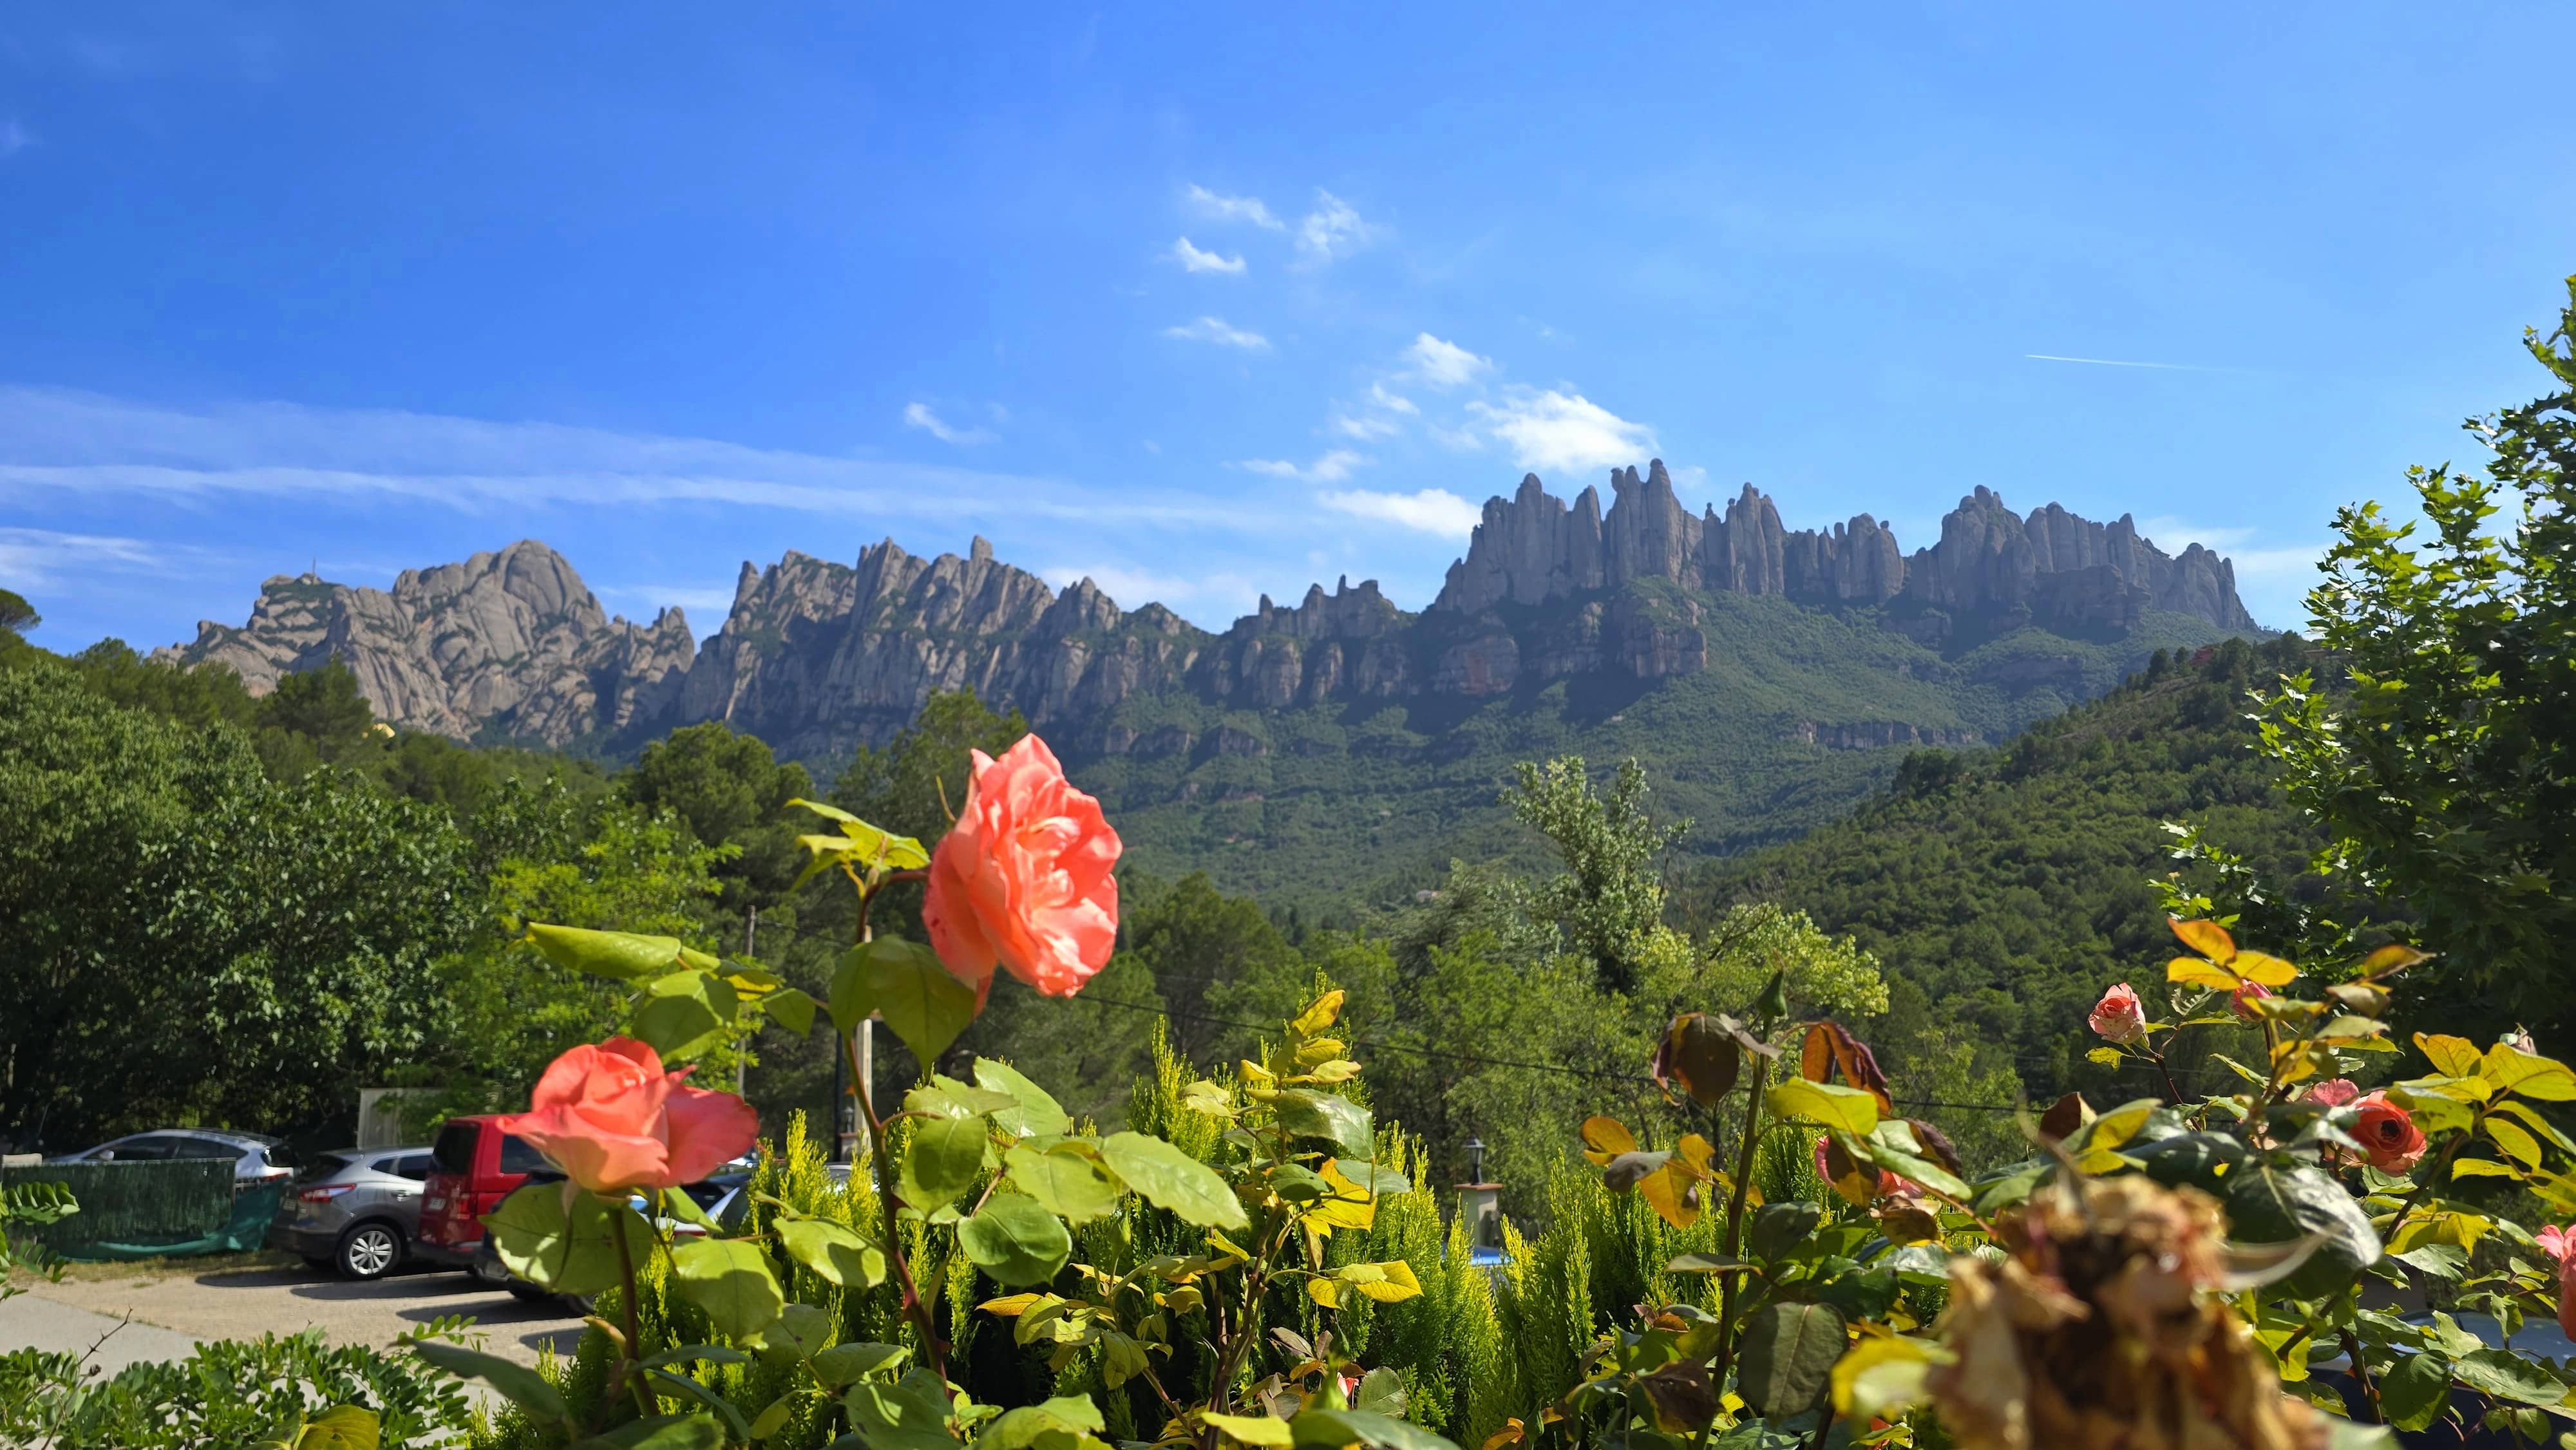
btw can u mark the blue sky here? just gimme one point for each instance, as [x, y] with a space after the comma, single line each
[1215, 300]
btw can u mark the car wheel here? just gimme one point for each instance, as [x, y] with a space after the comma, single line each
[525, 1292]
[369, 1251]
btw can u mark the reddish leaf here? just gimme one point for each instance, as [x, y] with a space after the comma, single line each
[1697, 1052]
[1828, 1044]
[2065, 1116]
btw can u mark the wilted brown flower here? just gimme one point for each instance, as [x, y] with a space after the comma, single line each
[2097, 1329]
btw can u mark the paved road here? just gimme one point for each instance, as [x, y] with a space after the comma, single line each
[170, 1305]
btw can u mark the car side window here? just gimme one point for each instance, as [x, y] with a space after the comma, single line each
[415, 1166]
[204, 1148]
[518, 1155]
[141, 1150]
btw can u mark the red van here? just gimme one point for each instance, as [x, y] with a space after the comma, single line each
[475, 1167]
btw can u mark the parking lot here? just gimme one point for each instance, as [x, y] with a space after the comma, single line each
[243, 1296]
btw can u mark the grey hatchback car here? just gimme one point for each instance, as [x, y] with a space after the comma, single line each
[355, 1210]
[256, 1157]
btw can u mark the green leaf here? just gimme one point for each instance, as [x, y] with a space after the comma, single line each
[1781, 1227]
[731, 1280]
[1787, 1357]
[868, 846]
[848, 1000]
[1066, 1180]
[791, 1009]
[1057, 1424]
[1015, 1241]
[1321, 1427]
[1256, 1430]
[558, 1236]
[684, 1011]
[342, 1427]
[800, 1332]
[905, 984]
[946, 1156]
[846, 1363]
[619, 954]
[662, 1432]
[1381, 1392]
[682, 1384]
[905, 1416]
[1372, 1177]
[1036, 1116]
[2415, 1390]
[2504, 1375]
[2269, 1202]
[1327, 1118]
[1171, 1179]
[2442, 1261]
[517, 1383]
[1831, 1104]
[839, 1255]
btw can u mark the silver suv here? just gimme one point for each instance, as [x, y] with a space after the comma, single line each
[356, 1210]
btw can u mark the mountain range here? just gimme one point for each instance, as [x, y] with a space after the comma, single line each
[1761, 667]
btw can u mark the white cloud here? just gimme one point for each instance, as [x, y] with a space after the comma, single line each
[1363, 428]
[1333, 229]
[1444, 364]
[39, 558]
[1333, 467]
[1560, 431]
[918, 415]
[1234, 209]
[1392, 402]
[1433, 510]
[1216, 330]
[1194, 260]
[60, 442]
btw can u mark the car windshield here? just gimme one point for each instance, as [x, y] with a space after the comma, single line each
[323, 1166]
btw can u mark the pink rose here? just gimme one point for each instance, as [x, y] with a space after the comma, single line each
[2334, 1092]
[612, 1120]
[2389, 1133]
[2118, 1016]
[2560, 1244]
[1023, 879]
[2555, 1241]
[2238, 1001]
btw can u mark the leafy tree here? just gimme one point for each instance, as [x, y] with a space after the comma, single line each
[17, 616]
[1610, 900]
[2444, 770]
[727, 789]
[1192, 938]
[318, 717]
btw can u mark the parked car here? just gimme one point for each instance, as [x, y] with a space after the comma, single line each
[474, 1166]
[356, 1210]
[256, 1157]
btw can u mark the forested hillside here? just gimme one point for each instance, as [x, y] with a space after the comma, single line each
[2011, 885]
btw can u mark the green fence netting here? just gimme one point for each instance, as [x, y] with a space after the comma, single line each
[175, 1201]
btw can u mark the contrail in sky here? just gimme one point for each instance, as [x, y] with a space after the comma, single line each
[2112, 362]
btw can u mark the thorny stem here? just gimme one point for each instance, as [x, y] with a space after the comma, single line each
[2361, 1372]
[634, 1349]
[1735, 1221]
[2173, 1094]
[881, 1165]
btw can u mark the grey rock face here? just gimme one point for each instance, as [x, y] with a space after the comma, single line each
[818, 657]
[513, 639]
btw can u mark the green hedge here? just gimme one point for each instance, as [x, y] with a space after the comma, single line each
[184, 1198]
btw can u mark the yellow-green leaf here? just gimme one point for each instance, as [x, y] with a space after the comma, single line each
[2517, 1142]
[1880, 1374]
[2482, 1168]
[2533, 1076]
[2450, 1056]
[2207, 938]
[1258, 1430]
[2195, 972]
[1851, 1109]
[2271, 971]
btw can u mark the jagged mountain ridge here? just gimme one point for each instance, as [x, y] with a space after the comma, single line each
[819, 657]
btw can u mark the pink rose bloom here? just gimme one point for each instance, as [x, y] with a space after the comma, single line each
[2334, 1092]
[2555, 1241]
[2118, 1016]
[1022, 880]
[2560, 1244]
[2389, 1133]
[2245, 993]
[612, 1120]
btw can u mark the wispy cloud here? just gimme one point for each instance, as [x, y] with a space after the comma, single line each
[1194, 260]
[1555, 430]
[1364, 427]
[2112, 362]
[1433, 510]
[1444, 365]
[1218, 331]
[919, 415]
[39, 558]
[1233, 209]
[1392, 402]
[1333, 467]
[1333, 230]
[1131, 588]
[60, 442]
[703, 603]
